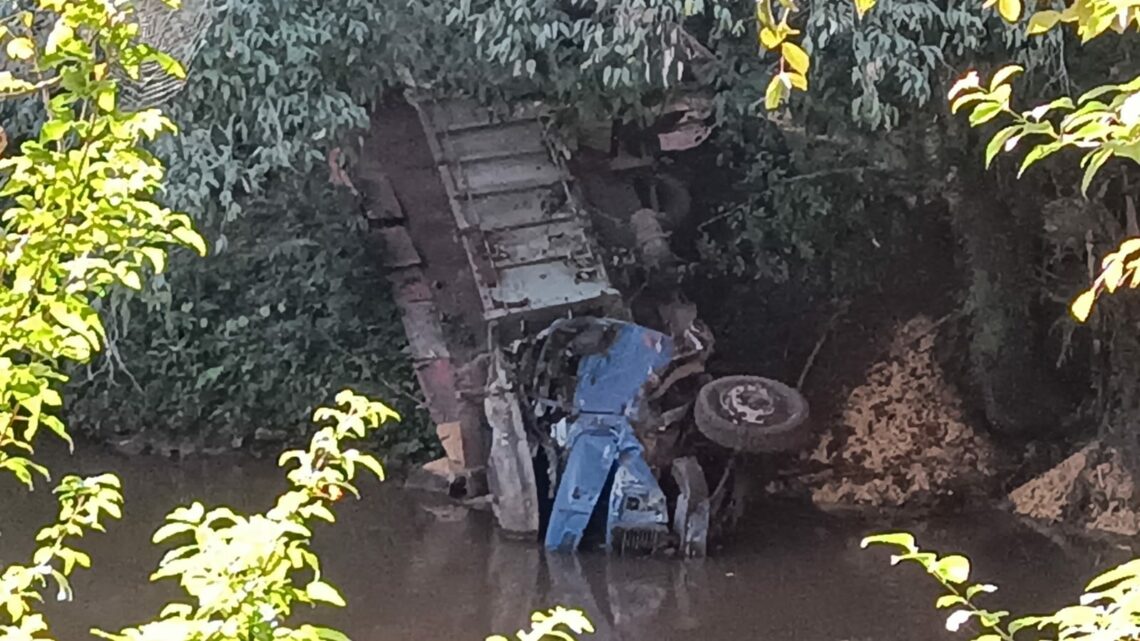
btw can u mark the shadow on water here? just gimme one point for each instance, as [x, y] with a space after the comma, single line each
[414, 568]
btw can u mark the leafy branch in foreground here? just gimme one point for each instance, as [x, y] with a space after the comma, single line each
[83, 502]
[559, 623]
[1107, 611]
[1104, 122]
[81, 205]
[241, 572]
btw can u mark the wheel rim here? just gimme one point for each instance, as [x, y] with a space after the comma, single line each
[748, 403]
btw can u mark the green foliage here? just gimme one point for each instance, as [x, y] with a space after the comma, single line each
[292, 311]
[83, 503]
[81, 211]
[1107, 610]
[559, 623]
[1103, 122]
[598, 57]
[245, 574]
[197, 358]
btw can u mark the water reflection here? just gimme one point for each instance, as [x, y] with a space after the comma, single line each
[415, 567]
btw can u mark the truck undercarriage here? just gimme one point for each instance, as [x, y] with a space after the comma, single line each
[589, 429]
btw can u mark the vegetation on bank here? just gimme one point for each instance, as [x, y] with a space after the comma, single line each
[83, 217]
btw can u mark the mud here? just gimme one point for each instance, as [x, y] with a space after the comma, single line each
[414, 567]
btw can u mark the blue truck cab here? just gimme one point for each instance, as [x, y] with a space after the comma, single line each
[602, 450]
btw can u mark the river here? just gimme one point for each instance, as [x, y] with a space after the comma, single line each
[413, 567]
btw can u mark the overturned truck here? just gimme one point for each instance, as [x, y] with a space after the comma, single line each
[585, 427]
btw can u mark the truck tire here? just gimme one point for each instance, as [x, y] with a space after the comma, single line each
[752, 414]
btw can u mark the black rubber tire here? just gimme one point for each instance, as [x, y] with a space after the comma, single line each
[790, 434]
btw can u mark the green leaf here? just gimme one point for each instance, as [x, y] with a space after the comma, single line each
[1082, 306]
[156, 256]
[372, 465]
[982, 588]
[328, 634]
[770, 38]
[1004, 74]
[1128, 570]
[969, 81]
[1075, 616]
[797, 80]
[985, 112]
[1037, 153]
[170, 530]
[54, 130]
[948, 601]
[20, 48]
[180, 610]
[775, 94]
[61, 35]
[901, 540]
[1096, 161]
[953, 569]
[955, 621]
[1010, 10]
[998, 141]
[325, 593]
[1026, 622]
[169, 65]
[190, 238]
[863, 6]
[106, 101]
[796, 57]
[1043, 21]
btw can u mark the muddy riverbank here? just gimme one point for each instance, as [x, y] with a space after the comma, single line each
[413, 567]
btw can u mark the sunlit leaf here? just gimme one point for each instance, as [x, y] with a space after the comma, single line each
[770, 38]
[323, 592]
[954, 568]
[969, 81]
[900, 539]
[775, 94]
[949, 600]
[955, 621]
[1004, 74]
[863, 6]
[1043, 21]
[1010, 10]
[796, 57]
[985, 112]
[1096, 161]
[997, 143]
[20, 48]
[1082, 306]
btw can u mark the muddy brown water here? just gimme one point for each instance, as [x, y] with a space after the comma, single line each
[413, 567]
